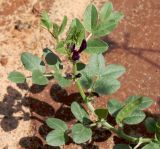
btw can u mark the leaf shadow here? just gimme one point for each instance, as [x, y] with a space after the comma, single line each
[10, 106]
[57, 105]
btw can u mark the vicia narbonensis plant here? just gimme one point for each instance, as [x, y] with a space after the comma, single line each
[93, 79]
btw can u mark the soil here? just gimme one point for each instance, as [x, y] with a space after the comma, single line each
[24, 107]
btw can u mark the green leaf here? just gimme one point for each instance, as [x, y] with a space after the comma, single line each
[63, 25]
[96, 46]
[58, 124]
[114, 71]
[146, 101]
[81, 134]
[116, 16]
[60, 48]
[101, 113]
[96, 65]
[55, 30]
[106, 86]
[90, 18]
[135, 118]
[128, 109]
[122, 146]
[150, 124]
[56, 138]
[152, 145]
[106, 10]
[52, 60]
[39, 78]
[80, 66]
[86, 80]
[45, 20]
[16, 77]
[62, 81]
[113, 107]
[79, 113]
[76, 32]
[105, 28]
[32, 62]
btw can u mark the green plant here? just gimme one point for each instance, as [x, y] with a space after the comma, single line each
[95, 78]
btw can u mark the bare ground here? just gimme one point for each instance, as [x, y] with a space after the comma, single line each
[134, 44]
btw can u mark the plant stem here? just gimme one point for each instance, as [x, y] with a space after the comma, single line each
[81, 91]
[139, 143]
[105, 124]
[89, 36]
[121, 134]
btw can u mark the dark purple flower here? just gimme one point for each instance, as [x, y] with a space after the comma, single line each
[83, 46]
[76, 53]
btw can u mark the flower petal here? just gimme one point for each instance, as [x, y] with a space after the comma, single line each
[83, 46]
[75, 55]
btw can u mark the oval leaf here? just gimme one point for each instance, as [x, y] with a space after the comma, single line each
[56, 138]
[55, 31]
[150, 124]
[101, 113]
[58, 124]
[152, 145]
[114, 106]
[52, 59]
[106, 10]
[96, 65]
[128, 109]
[60, 48]
[63, 25]
[79, 112]
[45, 20]
[135, 118]
[90, 18]
[32, 62]
[86, 80]
[81, 134]
[114, 71]
[80, 66]
[106, 86]
[96, 46]
[105, 28]
[62, 81]
[16, 77]
[39, 78]
[76, 32]
[116, 16]
[146, 101]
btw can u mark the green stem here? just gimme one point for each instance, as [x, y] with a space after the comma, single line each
[105, 124]
[81, 91]
[121, 134]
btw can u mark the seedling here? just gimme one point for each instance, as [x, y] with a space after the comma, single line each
[95, 78]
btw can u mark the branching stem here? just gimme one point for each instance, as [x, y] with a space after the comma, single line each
[105, 124]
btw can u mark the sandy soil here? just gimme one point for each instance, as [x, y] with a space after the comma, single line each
[134, 44]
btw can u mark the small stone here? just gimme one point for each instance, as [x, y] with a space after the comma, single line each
[3, 60]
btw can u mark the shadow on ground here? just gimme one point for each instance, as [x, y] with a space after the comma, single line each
[13, 103]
